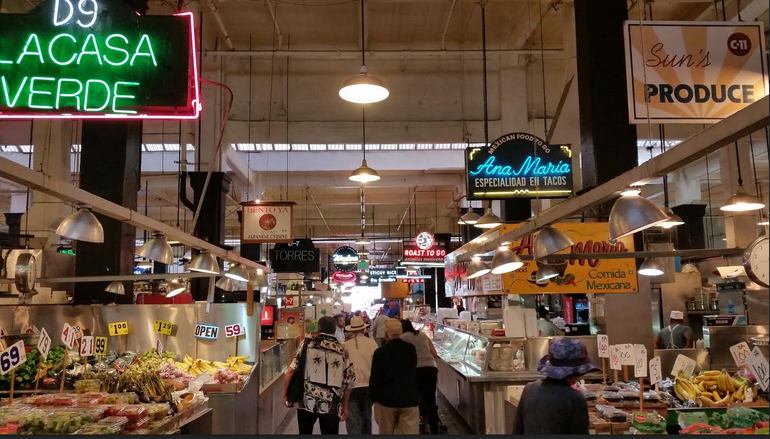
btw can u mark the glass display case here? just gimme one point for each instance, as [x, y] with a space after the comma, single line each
[480, 353]
[450, 343]
[273, 361]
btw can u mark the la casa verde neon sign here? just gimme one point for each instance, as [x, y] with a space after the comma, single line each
[518, 165]
[87, 59]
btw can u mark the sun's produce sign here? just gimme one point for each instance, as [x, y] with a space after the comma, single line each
[693, 72]
[95, 59]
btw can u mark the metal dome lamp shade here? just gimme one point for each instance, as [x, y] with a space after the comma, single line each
[505, 261]
[631, 214]
[364, 88]
[672, 221]
[259, 281]
[650, 267]
[550, 240]
[116, 288]
[477, 268]
[82, 226]
[742, 201]
[204, 262]
[178, 288]
[157, 249]
[546, 272]
[227, 284]
[238, 272]
[364, 174]
[488, 221]
[470, 218]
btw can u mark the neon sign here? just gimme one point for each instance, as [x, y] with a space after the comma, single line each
[88, 59]
[518, 165]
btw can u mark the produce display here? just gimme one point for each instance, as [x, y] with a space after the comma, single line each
[714, 388]
[649, 423]
[197, 366]
[27, 373]
[735, 420]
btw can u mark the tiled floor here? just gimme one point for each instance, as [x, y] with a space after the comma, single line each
[454, 424]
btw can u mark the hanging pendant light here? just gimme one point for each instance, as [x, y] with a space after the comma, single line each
[505, 261]
[157, 249]
[82, 225]
[363, 88]
[631, 214]
[116, 288]
[176, 288]
[672, 221]
[204, 262]
[546, 272]
[550, 240]
[469, 218]
[742, 201]
[364, 174]
[238, 272]
[228, 284]
[650, 267]
[477, 268]
[259, 281]
[488, 221]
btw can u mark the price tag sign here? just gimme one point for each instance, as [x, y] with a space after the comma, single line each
[758, 365]
[206, 332]
[100, 345]
[656, 371]
[234, 330]
[86, 346]
[615, 363]
[12, 357]
[627, 354]
[603, 344]
[640, 361]
[118, 328]
[68, 336]
[163, 327]
[159, 348]
[44, 344]
[741, 353]
[78, 332]
[684, 365]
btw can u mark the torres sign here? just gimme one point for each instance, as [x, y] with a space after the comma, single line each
[693, 72]
[97, 58]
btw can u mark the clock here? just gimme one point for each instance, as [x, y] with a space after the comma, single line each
[755, 261]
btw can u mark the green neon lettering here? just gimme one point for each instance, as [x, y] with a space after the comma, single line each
[33, 92]
[5, 61]
[51, 52]
[88, 91]
[138, 52]
[91, 52]
[122, 51]
[75, 94]
[12, 103]
[117, 95]
[26, 52]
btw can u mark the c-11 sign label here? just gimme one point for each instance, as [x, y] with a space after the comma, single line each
[97, 58]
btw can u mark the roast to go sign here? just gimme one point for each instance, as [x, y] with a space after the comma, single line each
[518, 165]
[693, 72]
[206, 332]
[97, 58]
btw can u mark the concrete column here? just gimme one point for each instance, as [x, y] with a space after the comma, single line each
[53, 145]
[740, 227]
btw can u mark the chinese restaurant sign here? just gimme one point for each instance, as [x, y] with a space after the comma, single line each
[518, 165]
[267, 222]
[97, 58]
[693, 72]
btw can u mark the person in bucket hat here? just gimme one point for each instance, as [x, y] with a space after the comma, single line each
[361, 350]
[550, 405]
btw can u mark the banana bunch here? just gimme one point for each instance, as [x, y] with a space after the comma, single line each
[685, 389]
[238, 365]
[717, 388]
[198, 366]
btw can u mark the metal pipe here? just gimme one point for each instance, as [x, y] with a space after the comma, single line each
[271, 9]
[446, 24]
[382, 54]
[212, 7]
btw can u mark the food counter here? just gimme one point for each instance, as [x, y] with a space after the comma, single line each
[477, 374]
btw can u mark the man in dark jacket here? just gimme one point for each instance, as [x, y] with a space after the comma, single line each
[393, 384]
[551, 405]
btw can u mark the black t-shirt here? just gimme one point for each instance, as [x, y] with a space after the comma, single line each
[393, 382]
[551, 406]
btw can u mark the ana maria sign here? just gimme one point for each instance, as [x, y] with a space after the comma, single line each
[518, 165]
[97, 58]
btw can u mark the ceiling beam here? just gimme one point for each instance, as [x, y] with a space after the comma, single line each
[446, 24]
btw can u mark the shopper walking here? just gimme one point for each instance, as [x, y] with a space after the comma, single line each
[550, 405]
[426, 373]
[339, 332]
[361, 350]
[378, 326]
[676, 335]
[326, 380]
[393, 384]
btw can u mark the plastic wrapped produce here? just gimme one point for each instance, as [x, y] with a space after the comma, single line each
[86, 386]
[157, 410]
[649, 423]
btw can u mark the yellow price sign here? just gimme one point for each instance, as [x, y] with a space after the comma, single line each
[100, 345]
[118, 328]
[163, 327]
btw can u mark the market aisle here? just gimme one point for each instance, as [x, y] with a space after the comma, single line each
[454, 424]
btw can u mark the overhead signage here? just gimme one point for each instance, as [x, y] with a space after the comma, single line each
[518, 165]
[344, 277]
[378, 275]
[206, 332]
[97, 59]
[424, 240]
[693, 72]
[345, 259]
[267, 222]
[419, 251]
[299, 256]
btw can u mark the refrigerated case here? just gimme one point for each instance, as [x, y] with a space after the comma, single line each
[274, 357]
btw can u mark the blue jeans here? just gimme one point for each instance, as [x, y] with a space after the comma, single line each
[359, 412]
